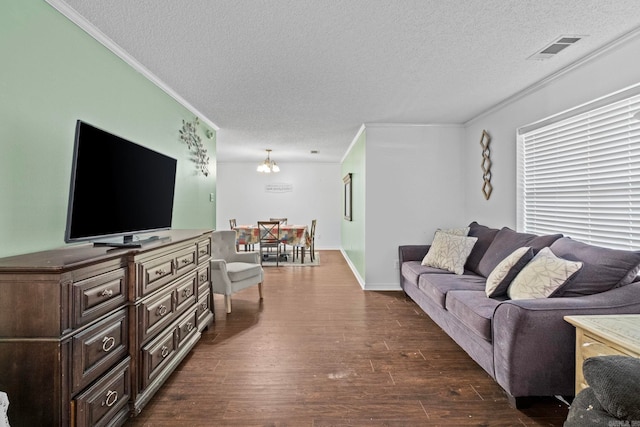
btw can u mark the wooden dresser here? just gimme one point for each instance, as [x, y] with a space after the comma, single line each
[602, 336]
[89, 334]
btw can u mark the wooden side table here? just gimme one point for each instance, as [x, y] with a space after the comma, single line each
[602, 336]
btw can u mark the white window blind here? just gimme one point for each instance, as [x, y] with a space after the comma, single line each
[580, 176]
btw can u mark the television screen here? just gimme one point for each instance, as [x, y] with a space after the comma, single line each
[118, 188]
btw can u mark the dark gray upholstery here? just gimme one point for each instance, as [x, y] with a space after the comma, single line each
[525, 345]
[615, 381]
[507, 241]
[602, 269]
[586, 411]
[412, 270]
[485, 236]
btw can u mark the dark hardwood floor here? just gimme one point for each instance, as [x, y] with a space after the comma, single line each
[318, 351]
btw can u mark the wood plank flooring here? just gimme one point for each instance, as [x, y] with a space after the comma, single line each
[318, 351]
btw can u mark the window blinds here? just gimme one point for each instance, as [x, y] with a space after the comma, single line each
[581, 176]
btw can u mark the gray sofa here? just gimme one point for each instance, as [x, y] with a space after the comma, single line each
[524, 344]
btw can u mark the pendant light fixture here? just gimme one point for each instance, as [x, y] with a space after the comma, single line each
[268, 165]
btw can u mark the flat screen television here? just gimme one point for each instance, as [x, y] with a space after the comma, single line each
[118, 188]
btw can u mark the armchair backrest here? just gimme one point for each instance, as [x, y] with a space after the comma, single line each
[223, 244]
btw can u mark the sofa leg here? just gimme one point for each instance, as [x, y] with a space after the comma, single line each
[519, 402]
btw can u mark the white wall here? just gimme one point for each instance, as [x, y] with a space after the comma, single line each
[414, 186]
[608, 72]
[316, 194]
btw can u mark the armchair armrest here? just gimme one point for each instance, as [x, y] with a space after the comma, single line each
[250, 257]
[534, 347]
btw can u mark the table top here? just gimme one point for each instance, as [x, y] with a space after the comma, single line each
[621, 329]
[290, 234]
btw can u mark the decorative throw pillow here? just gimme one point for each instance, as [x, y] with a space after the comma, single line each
[485, 236]
[501, 277]
[463, 231]
[544, 275]
[615, 381]
[449, 252]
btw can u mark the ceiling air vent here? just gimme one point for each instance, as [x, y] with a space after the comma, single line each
[552, 49]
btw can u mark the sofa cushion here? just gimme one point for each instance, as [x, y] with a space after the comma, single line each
[544, 275]
[449, 252]
[615, 381]
[485, 236]
[603, 269]
[474, 309]
[436, 286]
[501, 277]
[412, 270]
[507, 241]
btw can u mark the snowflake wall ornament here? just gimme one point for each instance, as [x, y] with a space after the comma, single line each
[189, 135]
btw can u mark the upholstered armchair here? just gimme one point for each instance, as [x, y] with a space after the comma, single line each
[232, 271]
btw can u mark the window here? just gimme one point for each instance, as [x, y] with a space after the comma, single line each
[579, 173]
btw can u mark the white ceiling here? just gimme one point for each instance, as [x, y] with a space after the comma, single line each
[301, 75]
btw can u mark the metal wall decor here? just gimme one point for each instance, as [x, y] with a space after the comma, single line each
[486, 165]
[189, 135]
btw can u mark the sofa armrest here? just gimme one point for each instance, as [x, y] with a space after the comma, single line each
[412, 252]
[534, 347]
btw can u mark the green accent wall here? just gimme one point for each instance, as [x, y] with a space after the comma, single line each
[53, 73]
[353, 232]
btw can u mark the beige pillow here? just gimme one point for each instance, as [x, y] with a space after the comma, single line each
[463, 231]
[449, 252]
[503, 274]
[542, 276]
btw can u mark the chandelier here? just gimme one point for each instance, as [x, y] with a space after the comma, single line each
[268, 165]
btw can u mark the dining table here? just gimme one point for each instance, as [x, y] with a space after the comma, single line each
[290, 234]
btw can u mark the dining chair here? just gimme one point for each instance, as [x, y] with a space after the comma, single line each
[308, 244]
[269, 234]
[282, 221]
[232, 271]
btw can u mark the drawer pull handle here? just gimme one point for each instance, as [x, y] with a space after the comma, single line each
[187, 292]
[160, 272]
[203, 251]
[107, 293]
[203, 278]
[185, 260]
[112, 398]
[203, 305]
[189, 327]
[108, 343]
[161, 310]
[165, 351]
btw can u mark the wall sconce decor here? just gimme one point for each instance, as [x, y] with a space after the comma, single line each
[189, 135]
[486, 165]
[347, 197]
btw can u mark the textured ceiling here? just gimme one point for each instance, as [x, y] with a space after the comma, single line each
[301, 75]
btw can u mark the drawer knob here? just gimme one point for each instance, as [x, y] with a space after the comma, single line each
[203, 305]
[185, 260]
[108, 343]
[189, 327]
[161, 310]
[160, 272]
[107, 293]
[165, 351]
[203, 278]
[187, 292]
[112, 398]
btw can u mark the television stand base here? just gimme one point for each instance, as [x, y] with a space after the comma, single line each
[129, 242]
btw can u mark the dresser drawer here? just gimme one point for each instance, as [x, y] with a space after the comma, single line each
[155, 273]
[204, 309]
[96, 349]
[185, 291]
[187, 326]
[106, 400]
[155, 313]
[97, 295]
[204, 250]
[186, 260]
[204, 278]
[157, 354]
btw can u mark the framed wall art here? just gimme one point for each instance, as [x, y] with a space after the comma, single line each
[347, 196]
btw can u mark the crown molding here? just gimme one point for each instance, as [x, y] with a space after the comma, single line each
[101, 38]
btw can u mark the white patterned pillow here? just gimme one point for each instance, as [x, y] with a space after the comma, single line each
[463, 231]
[449, 252]
[503, 274]
[543, 276]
